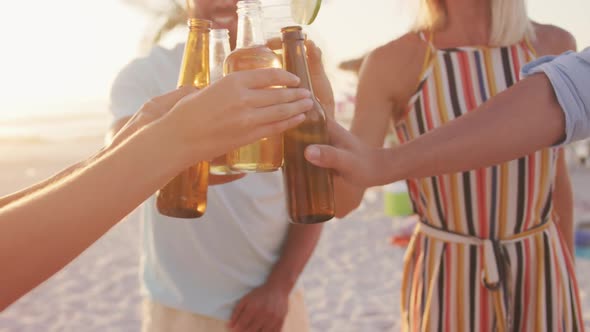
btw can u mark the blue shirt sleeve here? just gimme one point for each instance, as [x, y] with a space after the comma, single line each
[569, 74]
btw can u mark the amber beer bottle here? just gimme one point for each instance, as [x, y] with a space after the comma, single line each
[310, 189]
[265, 155]
[185, 196]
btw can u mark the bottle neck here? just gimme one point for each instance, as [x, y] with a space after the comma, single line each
[219, 50]
[194, 70]
[250, 32]
[295, 61]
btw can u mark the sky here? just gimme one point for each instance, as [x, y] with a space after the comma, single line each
[68, 51]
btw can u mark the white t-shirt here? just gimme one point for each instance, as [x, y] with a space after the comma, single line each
[205, 265]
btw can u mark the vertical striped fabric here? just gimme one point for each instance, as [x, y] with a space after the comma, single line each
[442, 288]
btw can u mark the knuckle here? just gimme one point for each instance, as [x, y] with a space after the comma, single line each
[275, 74]
[238, 99]
[248, 120]
[231, 80]
[243, 101]
[151, 104]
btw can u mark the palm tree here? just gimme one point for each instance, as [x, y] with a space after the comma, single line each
[167, 15]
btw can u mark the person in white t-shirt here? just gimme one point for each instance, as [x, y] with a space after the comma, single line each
[237, 266]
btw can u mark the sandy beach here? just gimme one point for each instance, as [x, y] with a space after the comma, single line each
[352, 282]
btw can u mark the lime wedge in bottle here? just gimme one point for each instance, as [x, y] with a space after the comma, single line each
[304, 12]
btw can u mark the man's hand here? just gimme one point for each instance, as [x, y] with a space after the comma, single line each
[319, 79]
[262, 310]
[353, 161]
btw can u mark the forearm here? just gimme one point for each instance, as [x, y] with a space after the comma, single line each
[518, 121]
[45, 183]
[38, 186]
[40, 234]
[347, 197]
[299, 244]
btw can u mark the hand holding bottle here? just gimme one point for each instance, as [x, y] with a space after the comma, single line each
[319, 79]
[352, 160]
[151, 111]
[234, 111]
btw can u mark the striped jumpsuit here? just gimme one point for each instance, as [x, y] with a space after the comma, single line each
[487, 255]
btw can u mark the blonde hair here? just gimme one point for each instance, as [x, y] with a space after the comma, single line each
[510, 21]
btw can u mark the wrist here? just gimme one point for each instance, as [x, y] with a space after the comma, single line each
[395, 165]
[172, 146]
[282, 282]
[169, 154]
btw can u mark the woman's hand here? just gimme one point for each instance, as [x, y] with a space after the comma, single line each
[351, 160]
[151, 111]
[234, 111]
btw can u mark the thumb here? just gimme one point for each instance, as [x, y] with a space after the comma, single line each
[328, 157]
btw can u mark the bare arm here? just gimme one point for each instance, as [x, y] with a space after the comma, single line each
[42, 233]
[45, 230]
[265, 307]
[213, 179]
[41, 185]
[518, 121]
[370, 123]
[563, 201]
[62, 174]
[299, 245]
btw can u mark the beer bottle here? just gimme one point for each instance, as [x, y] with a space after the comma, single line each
[185, 196]
[310, 189]
[265, 155]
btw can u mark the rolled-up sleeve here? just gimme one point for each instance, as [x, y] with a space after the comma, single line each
[569, 74]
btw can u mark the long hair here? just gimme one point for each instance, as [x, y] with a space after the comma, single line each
[510, 21]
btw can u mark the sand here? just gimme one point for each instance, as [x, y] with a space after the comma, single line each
[352, 282]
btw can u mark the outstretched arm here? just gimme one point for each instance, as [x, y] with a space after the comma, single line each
[43, 231]
[518, 121]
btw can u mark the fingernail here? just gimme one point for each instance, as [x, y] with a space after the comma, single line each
[312, 153]
[308, 103]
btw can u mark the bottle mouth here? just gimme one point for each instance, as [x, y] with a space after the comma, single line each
[219, 33]
[197, 23]
[248, 6]
[293, 32]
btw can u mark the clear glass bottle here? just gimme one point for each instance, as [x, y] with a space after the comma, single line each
[219, 49]
[310, 189]
[185, 196]
[265, 155]
[277, 14]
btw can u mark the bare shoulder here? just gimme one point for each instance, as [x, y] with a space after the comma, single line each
[395, 66]
[553, 40]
